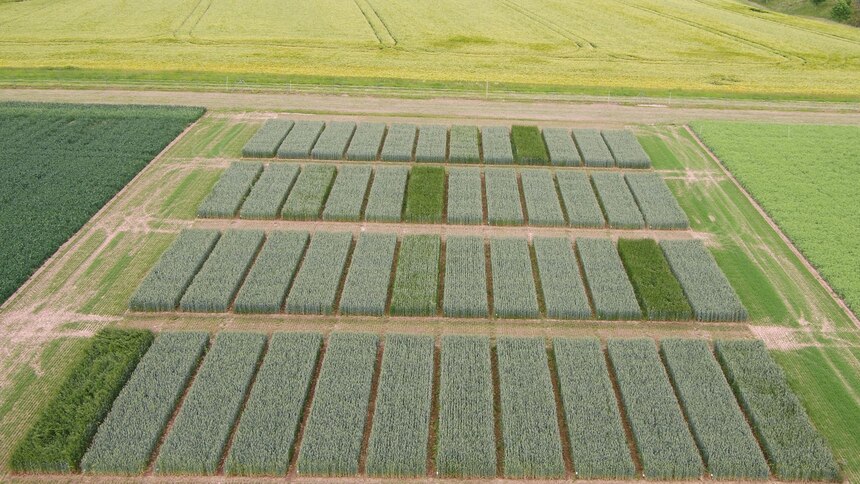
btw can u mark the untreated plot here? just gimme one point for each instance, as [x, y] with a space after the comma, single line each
[385, 202]
[365, 290]
[128, 436]
[63, 430]
[425, 195]
[464, 145]
[266, 434]
[399, 142]
[709, 292]
[656, 202]
[611, 291]
[335, 428]
[465, 196]
[529, 147]
[196, 440]
[300, 140]
[214, 287]
[265, 142]
[432, 145]
[598, 444]
[315, 288]
[270, 278]
[416, 282]
[496, 144]
[658, 292]
[664, 443]
[228, 194]
[467, 442]
[593, 148]
[308, 195]
[269, 193]
[165, 284]
[562, 150]
[465, 277]
[561, 282]
[532, 445]
[626, 150]
[503, 197]
[333, 141]
[579, 199]
[795, 450]
[514, 294]
[366, 142]
[728, 447]
[347, 194]
[401, 420]
[617, 201]
[542, 207]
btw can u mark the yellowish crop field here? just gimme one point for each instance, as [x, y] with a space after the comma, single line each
[708, 47]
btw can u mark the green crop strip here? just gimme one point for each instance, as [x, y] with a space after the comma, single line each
[529, 147]
[416, 282]
[425, 195]
[659, 293]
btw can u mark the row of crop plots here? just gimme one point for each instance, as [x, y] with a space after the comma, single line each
[526, 145]
[239, 400]
[455, 195]
[250, 271]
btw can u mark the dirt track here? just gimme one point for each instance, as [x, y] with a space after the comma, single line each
[590, 112]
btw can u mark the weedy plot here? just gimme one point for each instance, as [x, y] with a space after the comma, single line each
[611, 291]
[664, 443]
[165, 284]
[465, 277]
[496, 144]
[401, 420]
[467, 442]
[62, 432]
[347, 194]
[432, 144]
[366, 142]
[618, 203]
[399, 143]
[333, 141]
[709, 292]
[563, 291]
[465, 197]
[128, 436]
[365, 290]
[529, 147]
[579, 199]
[592, 147]
[385, 202]
[200, 431]
[503, 197]
[416, 282]
[267, 139]
[464, 145]
[656, 202]
[728, 447]
[425, 195]
[598, 445]
[270, 278]
[514, 294]
[626, 150]
[539, 192]
[332, 439]
[301, 139]
[532, 444]
[562, 150]
[228, 194]
[658, 292]
[265, 436]
[795, 450]
[315, 288]
[269, 193]
[309, 193]
[215, 285]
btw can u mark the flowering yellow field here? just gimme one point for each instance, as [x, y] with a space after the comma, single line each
[709, 46]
